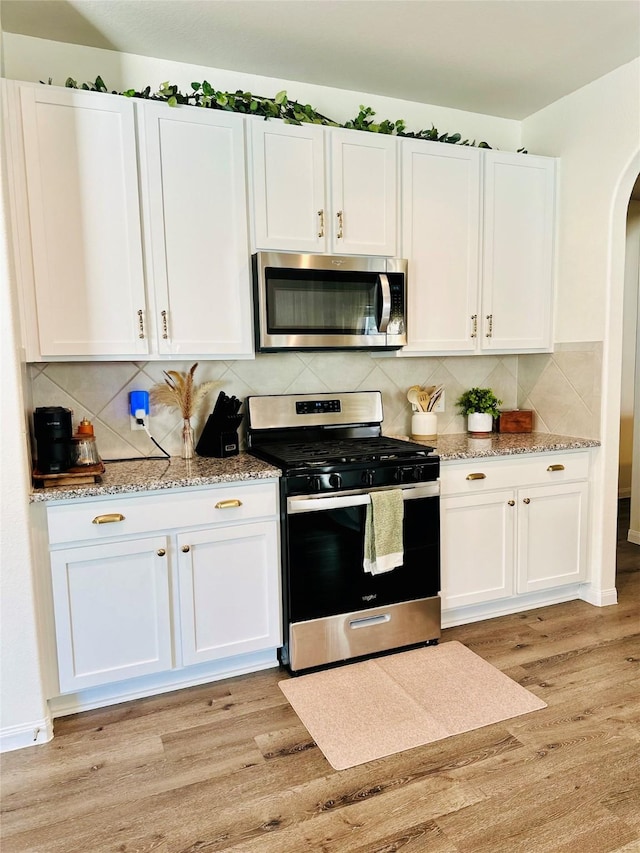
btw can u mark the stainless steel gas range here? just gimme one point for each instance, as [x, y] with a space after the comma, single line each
[333, 456]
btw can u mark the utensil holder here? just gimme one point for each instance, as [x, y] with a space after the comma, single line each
[424, 426]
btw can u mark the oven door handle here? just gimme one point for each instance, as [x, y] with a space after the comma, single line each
[316, 503]
[385, 290]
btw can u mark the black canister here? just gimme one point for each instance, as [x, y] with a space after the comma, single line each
[53, 429]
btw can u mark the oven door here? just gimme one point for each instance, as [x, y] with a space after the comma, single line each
[325, 553]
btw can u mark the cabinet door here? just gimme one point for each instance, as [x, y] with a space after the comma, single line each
[111, 605]
[195, 196]
[477, 541]
[517, 276]
[82, 183]
[288, 186]
[551, 536]
[440, 239]
[229, 591]
[364, 188]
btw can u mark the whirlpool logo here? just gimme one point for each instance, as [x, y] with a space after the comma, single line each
[369, 597]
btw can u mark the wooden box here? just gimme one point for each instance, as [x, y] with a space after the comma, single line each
[515, 420]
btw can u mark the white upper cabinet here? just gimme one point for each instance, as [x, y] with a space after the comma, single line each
[322, 190]
[288, 186]
[478, 229]
[440, 237]
[84, 218]
[517, 270]
[194, 198]
[101, 170]
[363, 193]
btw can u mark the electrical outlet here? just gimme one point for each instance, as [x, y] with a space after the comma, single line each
[439, 406]
[134, 421]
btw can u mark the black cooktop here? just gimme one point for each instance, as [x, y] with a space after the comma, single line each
[336, 452]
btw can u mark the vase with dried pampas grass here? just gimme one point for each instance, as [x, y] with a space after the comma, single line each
[179, 392]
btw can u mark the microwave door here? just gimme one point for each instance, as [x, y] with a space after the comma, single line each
[385, 292]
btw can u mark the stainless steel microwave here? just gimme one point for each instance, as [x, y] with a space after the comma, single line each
[319, 302]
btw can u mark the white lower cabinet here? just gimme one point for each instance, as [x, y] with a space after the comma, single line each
[154, 583]
[509, 528]
[112, 611]
[477, 540]
[238, 561]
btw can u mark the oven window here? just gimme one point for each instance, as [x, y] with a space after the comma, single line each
[325, 556]
[322, 302]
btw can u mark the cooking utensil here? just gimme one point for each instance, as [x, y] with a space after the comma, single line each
[423, 400]
[435, 396]
[412, 397]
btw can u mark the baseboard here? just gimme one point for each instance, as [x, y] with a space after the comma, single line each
[505, 606]
[598, 597]
[153, 685]
[633, 536]
[27, 734]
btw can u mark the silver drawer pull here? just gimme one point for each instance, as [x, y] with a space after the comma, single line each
[555, 468]
[109, 518]
[232, 502]
[476, 476]
[366, 621]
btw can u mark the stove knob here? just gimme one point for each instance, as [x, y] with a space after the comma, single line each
[368, 478]
[315, 483]
[335, 481]
[405, 475]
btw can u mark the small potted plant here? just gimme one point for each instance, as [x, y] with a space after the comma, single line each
[480, 405]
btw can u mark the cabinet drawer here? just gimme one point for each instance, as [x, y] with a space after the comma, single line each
[122, 516]
[478, 475]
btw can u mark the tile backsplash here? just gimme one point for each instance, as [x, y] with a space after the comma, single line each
[563, 388]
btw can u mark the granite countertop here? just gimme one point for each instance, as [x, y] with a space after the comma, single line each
[463, 446]
[143, 475]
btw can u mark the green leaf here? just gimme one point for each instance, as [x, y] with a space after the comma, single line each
[281, 98]
[100, 84]
[207, 89]
[173, 101]
[195, 86]
[253, 106]
[129, 93]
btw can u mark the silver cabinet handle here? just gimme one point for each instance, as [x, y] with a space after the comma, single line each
[109, 518]
[140, 323]
[321, 231]
[340, 233]
[165, 330]
[474, 328]
[476, 476]
[490, 330]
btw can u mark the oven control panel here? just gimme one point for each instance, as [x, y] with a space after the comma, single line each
[317, 407]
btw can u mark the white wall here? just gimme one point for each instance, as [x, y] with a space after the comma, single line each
[629, 398]
[23, 713]
[37, 59]
[596, 132]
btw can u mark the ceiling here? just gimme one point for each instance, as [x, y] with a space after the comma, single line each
[506, 58]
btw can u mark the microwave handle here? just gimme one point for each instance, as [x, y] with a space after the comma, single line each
[385, 290]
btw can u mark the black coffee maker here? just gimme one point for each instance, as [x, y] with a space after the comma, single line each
[53, 428]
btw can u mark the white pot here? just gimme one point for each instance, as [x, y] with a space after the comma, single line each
[424, 425]
[479, 422]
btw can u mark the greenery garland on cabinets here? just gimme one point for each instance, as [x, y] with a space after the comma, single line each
[292, 112]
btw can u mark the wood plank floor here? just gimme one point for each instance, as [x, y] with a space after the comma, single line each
[229, 767]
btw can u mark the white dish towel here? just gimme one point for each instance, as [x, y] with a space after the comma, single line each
[383, 544]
